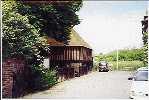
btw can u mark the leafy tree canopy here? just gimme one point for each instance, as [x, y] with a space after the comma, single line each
[145, 39]
[53, 19]
[123, 55]
[20, 38]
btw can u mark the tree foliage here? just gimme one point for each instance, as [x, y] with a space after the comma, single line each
[145, 39]
[123, 55]
[52, 19]
[20, 38]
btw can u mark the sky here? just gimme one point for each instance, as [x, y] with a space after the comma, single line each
[111, 25]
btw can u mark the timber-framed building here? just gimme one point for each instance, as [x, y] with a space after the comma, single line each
[74, 59]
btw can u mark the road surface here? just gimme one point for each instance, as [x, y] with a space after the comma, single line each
[101, 85]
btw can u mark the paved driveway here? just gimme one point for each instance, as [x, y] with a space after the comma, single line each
[108, 85]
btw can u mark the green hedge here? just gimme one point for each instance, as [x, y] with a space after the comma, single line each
[122, 65]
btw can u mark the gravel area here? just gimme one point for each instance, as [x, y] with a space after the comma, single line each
[100, 85]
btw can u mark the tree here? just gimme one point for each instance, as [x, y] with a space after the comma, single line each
[53, 19]
[145, 38]
[20, 38]
[124, 55]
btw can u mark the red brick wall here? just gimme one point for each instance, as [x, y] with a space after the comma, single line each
[9, 68]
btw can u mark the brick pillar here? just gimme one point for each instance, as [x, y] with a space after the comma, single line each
[10, 68]
[7, 79]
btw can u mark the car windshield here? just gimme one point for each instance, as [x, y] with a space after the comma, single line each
[141, 76]
[103, 64]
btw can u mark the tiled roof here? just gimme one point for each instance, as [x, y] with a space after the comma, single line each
[75, 40]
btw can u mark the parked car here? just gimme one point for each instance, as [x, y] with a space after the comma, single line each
[103, 66]
[142, 68]
[140, 85]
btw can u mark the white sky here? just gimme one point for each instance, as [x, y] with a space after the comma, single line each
[107, 25]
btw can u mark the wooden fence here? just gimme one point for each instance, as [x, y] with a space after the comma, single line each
[68, 73]
[65, 73]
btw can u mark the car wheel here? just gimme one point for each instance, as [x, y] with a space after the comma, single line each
[131, 98]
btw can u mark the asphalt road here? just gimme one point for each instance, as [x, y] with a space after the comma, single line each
[100, 85]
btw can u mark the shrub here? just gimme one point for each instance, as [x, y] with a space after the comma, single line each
[50, 77]
[42, 78]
